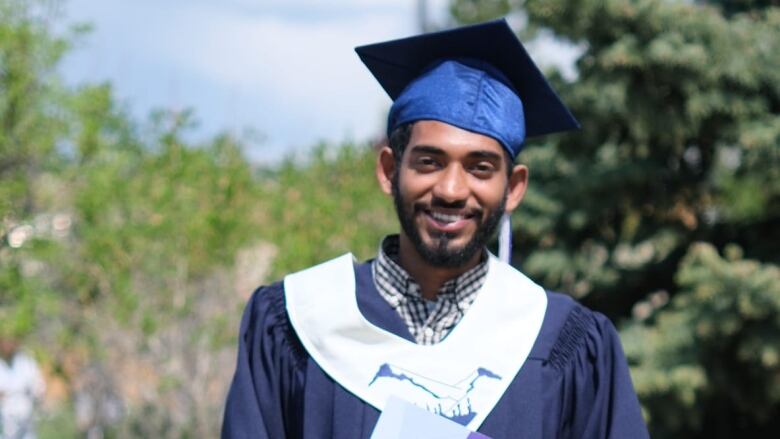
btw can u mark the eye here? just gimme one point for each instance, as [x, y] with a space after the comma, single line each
[426, 163]
[483, 169]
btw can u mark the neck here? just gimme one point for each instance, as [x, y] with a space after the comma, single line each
[429, 277]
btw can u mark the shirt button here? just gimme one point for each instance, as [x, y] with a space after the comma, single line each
[428, 332]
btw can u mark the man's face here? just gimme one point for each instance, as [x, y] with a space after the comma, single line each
[450, 191]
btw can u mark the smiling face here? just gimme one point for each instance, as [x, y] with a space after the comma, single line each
[450, 189]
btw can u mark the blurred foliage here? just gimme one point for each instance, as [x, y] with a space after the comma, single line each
[119, 241]
[30, 126]
[29, 130]
[727, 309]
[151, 211]
[676, 162]
[326, 207]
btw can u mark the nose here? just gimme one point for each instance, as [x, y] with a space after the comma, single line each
[452, 185]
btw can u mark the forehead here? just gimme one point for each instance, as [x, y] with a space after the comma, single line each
[451, 139]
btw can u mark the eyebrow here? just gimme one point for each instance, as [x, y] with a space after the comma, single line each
[425, 149]
[487, 155]
[433, 150]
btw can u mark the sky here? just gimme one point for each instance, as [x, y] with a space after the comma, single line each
[282, 69]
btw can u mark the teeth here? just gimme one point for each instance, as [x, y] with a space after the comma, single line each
[443, 218]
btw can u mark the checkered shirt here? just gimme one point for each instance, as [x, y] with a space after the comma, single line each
[428, 321]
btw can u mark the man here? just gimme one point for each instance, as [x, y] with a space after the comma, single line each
[435, 320]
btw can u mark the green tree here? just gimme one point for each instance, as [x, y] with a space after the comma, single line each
[680, 108]
[157, 224]
[119, 240]
[30, 127]
[326, 206]
[709, 362]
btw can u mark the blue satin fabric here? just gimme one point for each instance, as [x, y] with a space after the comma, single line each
[469, 94]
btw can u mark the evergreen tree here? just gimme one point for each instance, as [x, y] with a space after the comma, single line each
[676, 163]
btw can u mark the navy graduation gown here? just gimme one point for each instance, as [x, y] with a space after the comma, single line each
[574, 384]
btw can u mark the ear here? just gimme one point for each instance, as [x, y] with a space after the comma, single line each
[385, 168]
[518, 182]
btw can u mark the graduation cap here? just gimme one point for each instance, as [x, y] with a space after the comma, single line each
[479, 78]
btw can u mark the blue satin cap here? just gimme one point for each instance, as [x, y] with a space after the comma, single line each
[479, 78]
[467, 93]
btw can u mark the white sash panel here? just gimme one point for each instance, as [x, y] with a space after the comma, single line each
[462, 377]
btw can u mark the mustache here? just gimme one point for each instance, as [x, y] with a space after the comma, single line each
[421, 206]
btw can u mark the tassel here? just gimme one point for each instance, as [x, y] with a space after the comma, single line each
[505, 240]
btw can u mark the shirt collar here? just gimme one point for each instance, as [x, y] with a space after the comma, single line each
[387, 262]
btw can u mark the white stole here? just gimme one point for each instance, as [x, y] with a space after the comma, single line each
[462, 377]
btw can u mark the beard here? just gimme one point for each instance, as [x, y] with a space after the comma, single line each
[440, 253]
